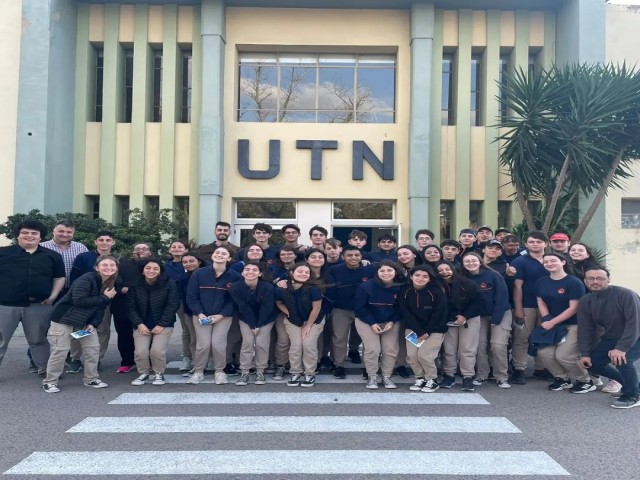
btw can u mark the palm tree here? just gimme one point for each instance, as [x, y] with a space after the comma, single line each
[571, 131]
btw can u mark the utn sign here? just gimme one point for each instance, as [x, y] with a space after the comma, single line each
[360, 153]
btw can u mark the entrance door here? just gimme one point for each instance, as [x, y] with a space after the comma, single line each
[373, 234]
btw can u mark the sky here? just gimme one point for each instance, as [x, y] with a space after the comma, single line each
[625, 2]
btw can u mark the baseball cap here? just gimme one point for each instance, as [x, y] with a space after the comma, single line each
[501, 230]
[485, 227]
[467, 230]
[560, 236]
[493, 243]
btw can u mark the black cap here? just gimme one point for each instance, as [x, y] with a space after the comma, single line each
[492, 243]
[467, 230]
[485, 227]
[501, 230]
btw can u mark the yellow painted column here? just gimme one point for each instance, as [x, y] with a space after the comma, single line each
[169, 98]
[112, 110]
[463, 122]
[490, 118]
[142, 89]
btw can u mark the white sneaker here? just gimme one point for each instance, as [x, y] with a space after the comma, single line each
[612, 387]
[372, 383]
[416, 387]
[388, 383]
[97, 383]
[596, 380]
[140, 380]
[185, 366]
[158, 379]
[195, 378]
[430, 386]
[221, 378]
[50, 388]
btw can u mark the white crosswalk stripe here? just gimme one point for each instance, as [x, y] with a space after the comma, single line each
[329, 462]
[344, 462]
[294, 424]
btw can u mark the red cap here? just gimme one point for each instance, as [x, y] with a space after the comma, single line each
[560, 236]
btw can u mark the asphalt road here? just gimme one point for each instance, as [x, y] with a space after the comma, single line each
[294, 433]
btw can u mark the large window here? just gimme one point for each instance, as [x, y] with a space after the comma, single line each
[99, 53]
[128, 86]
[502, 86]
[446, 218]
[504, 213]
[630, 213]
[446, 104]
[476, 73]
[363, 210]
[316, 88]
[185, 111]
[156, 113]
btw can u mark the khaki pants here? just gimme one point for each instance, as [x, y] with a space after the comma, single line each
[521, 340]
[60, 339]
[281, 354]
[461, 345]
[151, 351]
[562, 360]
[211, 337]
[492, 347]
[342, 320]
[254, 343]
[383, 345]
[303, 352]
[422, 360]
[188, 335]
[104, 335]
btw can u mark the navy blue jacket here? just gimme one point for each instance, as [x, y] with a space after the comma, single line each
[376, 303]
[209, 294]
[493, 294]
[174, 270]
[380, 255]
[183, 285]
[425, 310]
[344, 282]
[255, 307]
[83, 263]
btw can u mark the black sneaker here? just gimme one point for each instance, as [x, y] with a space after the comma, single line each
[354, 356]
[403, 372]
[326, 363]
[447, 382]
[583, 387]
[230, 369]
[625, 401]
[309, 381]
[33, 368]
[517, 377]
[543, 374]
[467, 384]
[75, 366]
[340, 373]
[294, 381]
[50, 388]
[560, 384]
[365, 375]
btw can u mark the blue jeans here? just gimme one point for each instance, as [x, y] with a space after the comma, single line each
[625, 374]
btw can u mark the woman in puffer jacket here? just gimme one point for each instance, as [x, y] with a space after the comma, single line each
[82, 308]
[152, 304]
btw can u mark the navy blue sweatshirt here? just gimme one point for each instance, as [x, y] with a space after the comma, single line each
[174, 270]
[380, 255]
[493, 293]
[209, 294]
[377, 303]
[344, 282]
[256, 307]
[464, 298]
[425, 310]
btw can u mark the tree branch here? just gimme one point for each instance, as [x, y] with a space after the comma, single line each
[557, 191]
[526, 213]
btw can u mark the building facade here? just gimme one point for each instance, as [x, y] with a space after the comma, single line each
[375, 114]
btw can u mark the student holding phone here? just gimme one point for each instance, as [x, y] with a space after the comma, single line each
[377, 322]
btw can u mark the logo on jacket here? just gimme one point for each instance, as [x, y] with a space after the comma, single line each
[364, 279]
[229, 285]
[561, 291]
[483, 285]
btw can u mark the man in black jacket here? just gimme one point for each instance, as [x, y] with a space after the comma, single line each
[616, 310]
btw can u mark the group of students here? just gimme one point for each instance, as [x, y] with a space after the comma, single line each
[476, 307]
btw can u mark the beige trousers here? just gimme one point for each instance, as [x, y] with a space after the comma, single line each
[492, 347]
[383, 347]
[521, 340]
[422, 360]
[208, 338]
[562, 360]
[461, 346]
[151, 351]
[254, 343]
[59, 337]
[303, 353]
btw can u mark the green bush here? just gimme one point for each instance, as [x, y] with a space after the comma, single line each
[157, 227]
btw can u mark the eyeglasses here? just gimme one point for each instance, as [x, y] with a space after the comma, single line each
[596, 279]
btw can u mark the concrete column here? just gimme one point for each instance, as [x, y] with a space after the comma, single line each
[45, 126]
[211, 118]
[422, 29]
[581, 38]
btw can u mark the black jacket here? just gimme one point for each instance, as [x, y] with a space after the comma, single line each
[425, 310]
[83, 304]
[255, 307]
[154, 304]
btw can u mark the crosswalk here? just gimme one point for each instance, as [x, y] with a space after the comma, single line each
[323, 413]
